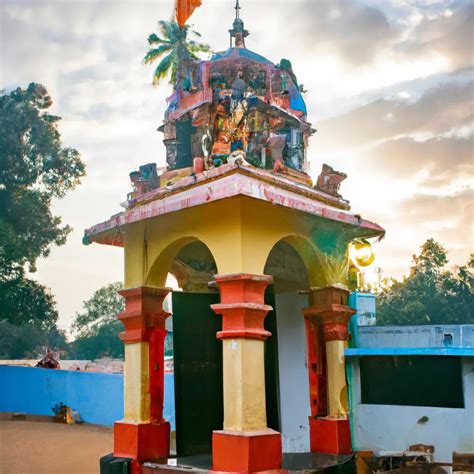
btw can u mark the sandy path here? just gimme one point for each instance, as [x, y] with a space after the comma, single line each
[49, 448]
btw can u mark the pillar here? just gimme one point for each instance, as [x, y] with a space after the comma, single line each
[143, 434]
[245, 444]
[330, 311]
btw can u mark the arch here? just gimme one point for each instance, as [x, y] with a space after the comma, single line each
[287, 268]
[192, 262]
[194, 267]
[309, 255]
[162, 264]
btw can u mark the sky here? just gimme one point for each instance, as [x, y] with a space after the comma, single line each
[390, 89]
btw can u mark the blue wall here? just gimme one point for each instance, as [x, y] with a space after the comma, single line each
[98, 398]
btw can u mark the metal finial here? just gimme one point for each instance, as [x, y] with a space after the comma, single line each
[237, 8]
[238, 30]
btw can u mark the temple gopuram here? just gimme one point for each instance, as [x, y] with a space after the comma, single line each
[260, 254]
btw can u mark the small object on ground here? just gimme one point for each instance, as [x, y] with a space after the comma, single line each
[65, 414]
[19, 416]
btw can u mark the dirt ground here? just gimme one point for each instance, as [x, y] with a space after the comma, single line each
[49, 448]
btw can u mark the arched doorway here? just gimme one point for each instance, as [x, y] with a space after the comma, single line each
[286, 350]
[196, 351]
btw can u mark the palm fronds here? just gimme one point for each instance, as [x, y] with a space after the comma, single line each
[172, 46]
[163, 68]
[156, 53]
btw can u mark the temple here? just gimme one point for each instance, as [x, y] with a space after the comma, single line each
[261, 258]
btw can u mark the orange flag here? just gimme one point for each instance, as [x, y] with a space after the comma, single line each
[184, 9]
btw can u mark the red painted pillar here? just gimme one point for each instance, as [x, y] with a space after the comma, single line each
[143, 434]
[326, 325]
[316, 362]
[245, 444]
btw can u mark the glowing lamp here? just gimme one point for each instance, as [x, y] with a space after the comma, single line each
[361, 252]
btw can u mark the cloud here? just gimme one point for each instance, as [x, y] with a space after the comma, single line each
[443, 158]
[359, 34]
[449, 219]
[437, 111]
[449, 33]
[454, 207]
[356, 32]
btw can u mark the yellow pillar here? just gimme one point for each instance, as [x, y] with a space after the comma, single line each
[244, 385]
[336, 378]
[245, 444]
[136, 381]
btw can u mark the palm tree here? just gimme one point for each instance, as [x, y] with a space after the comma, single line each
[172, 47]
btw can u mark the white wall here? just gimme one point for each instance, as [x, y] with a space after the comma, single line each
[293, 373]
[394, 428]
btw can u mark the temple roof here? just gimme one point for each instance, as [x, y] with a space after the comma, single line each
[230, 181]
[240, 52]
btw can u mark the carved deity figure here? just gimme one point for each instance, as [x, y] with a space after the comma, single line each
[329, 181]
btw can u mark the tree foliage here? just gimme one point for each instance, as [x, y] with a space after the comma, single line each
[430, 294]
[104, 343]
[99, 310]
[97, 326]
[172, 47]
[28, 341]
[27, 302]
[34, 169]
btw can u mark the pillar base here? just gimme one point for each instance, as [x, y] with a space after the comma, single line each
[110, 464]
[141, 441]
[246, 451]
[330, 435]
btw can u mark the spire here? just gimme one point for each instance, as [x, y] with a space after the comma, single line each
[237, 8]
[238, 32]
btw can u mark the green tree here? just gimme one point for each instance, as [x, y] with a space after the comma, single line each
[459, 290]
[34, 169]
[28, 319]
[172, 47]
[26, 302]
[97, 326]
[28, 341]
[430, 294]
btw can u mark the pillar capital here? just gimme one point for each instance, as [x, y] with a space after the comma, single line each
[143, 312]
[330, 305]
[242, 305]
[242, 320]
[330, 295]
[243, 287]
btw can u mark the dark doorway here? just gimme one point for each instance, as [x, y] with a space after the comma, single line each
[184, 132]
[199, 404]
[271, 364]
